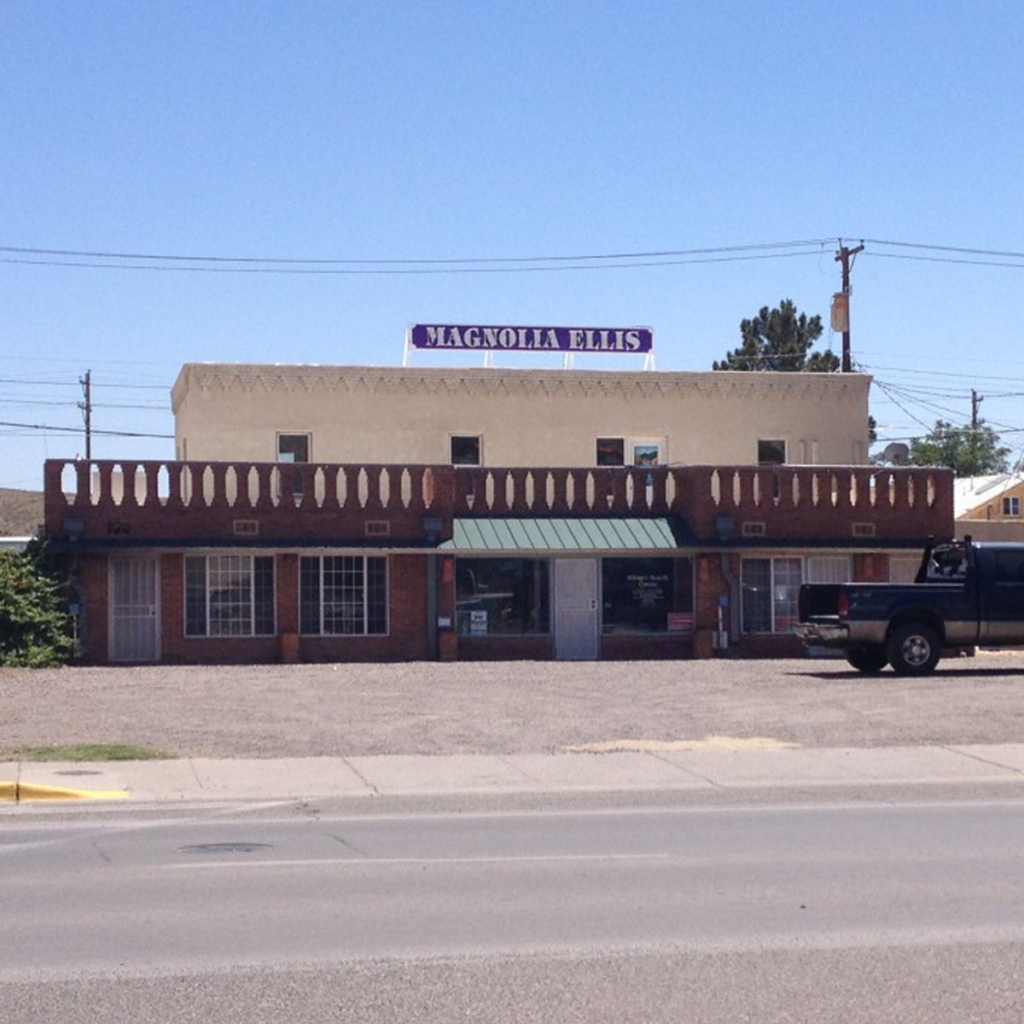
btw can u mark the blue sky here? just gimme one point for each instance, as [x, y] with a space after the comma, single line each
[456, 130]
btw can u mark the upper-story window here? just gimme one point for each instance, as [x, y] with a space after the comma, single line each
[293, 447]
[628, 451]
[771, 453]
[646, 453]
[466, 450]
[611, 451]
[1011, 506]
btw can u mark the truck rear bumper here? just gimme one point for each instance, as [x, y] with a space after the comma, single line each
[831, 635]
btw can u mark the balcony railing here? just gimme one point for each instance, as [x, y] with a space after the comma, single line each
[192, 500]
[211, 500]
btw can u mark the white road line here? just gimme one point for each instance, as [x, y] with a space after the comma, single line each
[398, 861]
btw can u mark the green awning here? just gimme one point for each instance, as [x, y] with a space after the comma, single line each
[562, 535]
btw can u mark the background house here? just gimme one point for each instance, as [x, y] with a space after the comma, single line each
[990, 507]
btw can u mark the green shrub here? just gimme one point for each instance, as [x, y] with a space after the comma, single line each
[34, 627]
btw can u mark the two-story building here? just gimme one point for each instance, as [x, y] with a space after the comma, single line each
[376, 513]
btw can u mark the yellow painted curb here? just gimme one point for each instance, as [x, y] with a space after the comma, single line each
[19, 792]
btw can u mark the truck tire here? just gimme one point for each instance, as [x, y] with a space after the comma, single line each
[913, 649]
[867, 659]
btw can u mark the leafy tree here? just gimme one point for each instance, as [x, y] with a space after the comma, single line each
[780, 339]
[33, 623]
[966, 450]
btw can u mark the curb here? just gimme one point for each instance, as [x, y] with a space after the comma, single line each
[20, 792]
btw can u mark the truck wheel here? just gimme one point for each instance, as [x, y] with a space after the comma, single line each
[913, 649]
[867, 659]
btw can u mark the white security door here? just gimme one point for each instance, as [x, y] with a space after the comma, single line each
[576, 636]
[134, 618]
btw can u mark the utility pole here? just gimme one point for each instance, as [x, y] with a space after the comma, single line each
[976, 400]
[86, 408]
[845, 257]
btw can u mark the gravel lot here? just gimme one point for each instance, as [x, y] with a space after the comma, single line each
[431, 708]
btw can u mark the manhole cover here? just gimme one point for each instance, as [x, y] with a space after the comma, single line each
[78, 771]
[225, 848]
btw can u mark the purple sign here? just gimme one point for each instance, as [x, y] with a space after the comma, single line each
[532, 339]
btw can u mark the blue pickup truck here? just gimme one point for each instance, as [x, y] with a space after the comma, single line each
[965, 594]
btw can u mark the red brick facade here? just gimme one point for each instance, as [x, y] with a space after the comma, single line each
[169, 510]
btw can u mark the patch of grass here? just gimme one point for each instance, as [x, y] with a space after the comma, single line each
[95, 752]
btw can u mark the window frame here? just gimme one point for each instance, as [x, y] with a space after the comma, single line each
[479, 438]
[658, 444]
[812, 562]
[609, 439]
[545, 599]
[322, 632]
[629, 451]
[682, 579]
[1011, 506]
[773, 441]
[255, 615]
[281, 434]
[772, 603]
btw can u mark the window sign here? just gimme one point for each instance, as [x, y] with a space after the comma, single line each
[647, 595]
[478, 622]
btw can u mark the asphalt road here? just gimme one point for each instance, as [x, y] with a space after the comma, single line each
[911, 911]
[506, 707]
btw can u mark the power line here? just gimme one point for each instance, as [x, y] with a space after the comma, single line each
[165, 257]
[76, 384]
[78, 430]
[943, 373]
[402, 271]
[646, 254]
[944, 248]
[944, 259]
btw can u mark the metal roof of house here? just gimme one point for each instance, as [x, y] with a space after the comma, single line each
[971, 492]
[563, 535]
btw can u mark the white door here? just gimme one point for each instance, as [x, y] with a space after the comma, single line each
[134, 618]
[576, 636]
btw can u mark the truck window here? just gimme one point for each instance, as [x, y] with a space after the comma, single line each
[1008, 567]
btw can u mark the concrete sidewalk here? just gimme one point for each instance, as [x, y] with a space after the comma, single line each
[406, 775]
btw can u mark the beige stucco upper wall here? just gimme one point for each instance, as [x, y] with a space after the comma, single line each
[525, 417]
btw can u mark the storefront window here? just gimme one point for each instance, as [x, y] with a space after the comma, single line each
[501, 596]
[229, 595]
[343, 595]
[647, 595]
[771, 590]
